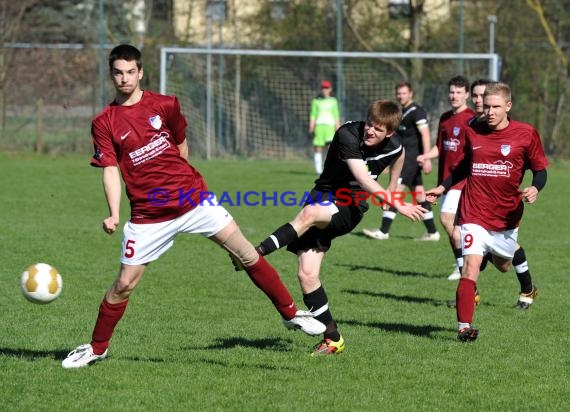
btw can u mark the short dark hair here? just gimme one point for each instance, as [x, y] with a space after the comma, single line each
[459, 81]
[480, 82]
[125, 52]
[404, 83]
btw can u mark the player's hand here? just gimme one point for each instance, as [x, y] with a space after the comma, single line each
[421, 159]
[310, 134]
[413, 212]
[433, 194]
[426, 166]
[110, 225]
[530, 194]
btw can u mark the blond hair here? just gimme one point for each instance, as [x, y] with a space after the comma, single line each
[498, 89]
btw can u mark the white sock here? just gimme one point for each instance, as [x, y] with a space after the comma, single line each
[459, 262]
[461, 325]
[318, 160]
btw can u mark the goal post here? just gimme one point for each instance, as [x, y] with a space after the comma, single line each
[255, 103]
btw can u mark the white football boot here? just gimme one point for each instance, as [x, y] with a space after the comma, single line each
[82, 356]
[305, 321]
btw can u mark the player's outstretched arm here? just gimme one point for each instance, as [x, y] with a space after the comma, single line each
[433, 194]
[359, 171]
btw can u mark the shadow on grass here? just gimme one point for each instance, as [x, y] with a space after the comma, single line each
[140, 359]
[274, 344]
[242, 365]
[300, 173]
[405, 298]
[450, 303]
[34, 354]
[424, 331]
[384, 269]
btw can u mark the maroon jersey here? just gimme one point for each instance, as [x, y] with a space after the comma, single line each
[450, 142]
[142, 140]
[491, 197]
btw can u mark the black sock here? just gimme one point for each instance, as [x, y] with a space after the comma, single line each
[486, 259]
[388, 217]
[428, 217]
[283, 236]
[458, 258]
[317, 302]
[521, 269]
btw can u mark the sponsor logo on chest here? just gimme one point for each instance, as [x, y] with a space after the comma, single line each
[451, 145]
[498, 168]
[155, 147]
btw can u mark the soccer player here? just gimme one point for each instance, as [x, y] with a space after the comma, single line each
[141, 137]
[359, 152]
[449, 147]
[497, 154]
[414, 131]
[323, 122]
[528, 291]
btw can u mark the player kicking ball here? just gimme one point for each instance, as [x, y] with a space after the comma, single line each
[141, 137]
[358, 154]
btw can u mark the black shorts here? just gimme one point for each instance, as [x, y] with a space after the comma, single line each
[342, 222]
[411, 175]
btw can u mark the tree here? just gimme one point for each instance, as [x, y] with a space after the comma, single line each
[11, 17]
[555, 140]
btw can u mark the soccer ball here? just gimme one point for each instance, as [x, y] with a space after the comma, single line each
[41, 283]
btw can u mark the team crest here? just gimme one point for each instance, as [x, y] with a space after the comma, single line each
[456, 131]
[155, 121]
[505, 149]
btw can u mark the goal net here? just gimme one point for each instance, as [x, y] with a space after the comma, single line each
[256, 103]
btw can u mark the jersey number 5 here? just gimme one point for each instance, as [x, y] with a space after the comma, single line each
[129, 249]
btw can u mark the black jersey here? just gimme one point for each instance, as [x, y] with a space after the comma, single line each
[347, 144]
[413, 117]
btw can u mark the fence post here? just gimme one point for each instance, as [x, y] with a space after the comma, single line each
[40, 125]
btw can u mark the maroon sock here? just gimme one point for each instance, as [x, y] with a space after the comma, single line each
[109, 316]
[266, 278]
[465, 297]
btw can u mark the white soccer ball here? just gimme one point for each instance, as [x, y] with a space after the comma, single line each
[41, 283]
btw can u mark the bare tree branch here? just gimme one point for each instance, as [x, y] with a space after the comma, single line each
[367, 47]
[536, 6]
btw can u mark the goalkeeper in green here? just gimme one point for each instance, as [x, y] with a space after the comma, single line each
[324, 121]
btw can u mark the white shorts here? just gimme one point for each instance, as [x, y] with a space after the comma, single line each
[143, 243]
[476, 240]
[450, 201]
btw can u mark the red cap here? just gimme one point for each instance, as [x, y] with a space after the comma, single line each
[325, 84]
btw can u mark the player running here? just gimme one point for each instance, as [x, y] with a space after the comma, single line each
[497, 154]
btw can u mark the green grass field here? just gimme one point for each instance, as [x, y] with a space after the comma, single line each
[199, 336]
